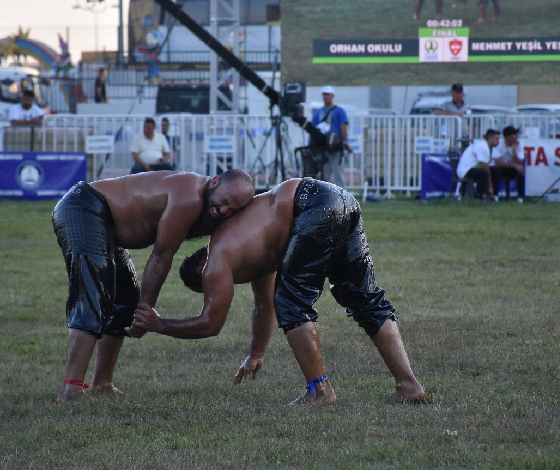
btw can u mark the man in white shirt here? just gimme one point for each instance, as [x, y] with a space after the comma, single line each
[26, 113]
[150, 150]
[509, 157]
[474, 164]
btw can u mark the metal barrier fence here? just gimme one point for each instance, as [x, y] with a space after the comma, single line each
[386, 159]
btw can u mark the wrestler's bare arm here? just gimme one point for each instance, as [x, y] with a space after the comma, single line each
[218, 294]
[264, 314]
[172, 229]
[263, 326]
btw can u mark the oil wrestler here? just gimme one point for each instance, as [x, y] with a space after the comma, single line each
[304, 231]
[96, 223]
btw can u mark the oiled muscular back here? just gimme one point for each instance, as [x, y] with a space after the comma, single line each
[254, 240]
[137, 202]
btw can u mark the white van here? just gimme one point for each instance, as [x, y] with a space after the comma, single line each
[14, 80]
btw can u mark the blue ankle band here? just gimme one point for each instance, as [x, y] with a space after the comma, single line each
[311, 385]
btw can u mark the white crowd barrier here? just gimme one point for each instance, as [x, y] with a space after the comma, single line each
[386, 157]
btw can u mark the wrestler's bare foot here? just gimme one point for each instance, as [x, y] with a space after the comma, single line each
[70, 393]
[105, 389]
[324, 395]
[408, 392]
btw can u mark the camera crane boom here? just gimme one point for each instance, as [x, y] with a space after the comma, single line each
[176, 10]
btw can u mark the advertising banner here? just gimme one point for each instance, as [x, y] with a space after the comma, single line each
[420, 43]
[213, 144]
[437, 45]
[40, 175]
[436, 176]
[542, 166]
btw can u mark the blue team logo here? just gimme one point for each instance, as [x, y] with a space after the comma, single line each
[29, 175]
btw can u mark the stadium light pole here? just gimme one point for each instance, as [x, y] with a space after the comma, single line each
[95, 8]
[120, 50]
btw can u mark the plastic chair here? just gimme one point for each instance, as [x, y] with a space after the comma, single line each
[454, 155]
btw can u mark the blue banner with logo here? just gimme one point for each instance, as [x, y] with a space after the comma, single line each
[40, 175]
[436, 175]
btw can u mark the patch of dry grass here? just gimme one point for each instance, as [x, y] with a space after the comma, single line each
[476, 288]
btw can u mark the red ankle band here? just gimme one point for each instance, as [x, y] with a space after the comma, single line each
[76, 382]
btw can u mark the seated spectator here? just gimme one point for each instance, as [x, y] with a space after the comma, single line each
[26, 113]
[150, 150]
[475, 163]
[508, 156]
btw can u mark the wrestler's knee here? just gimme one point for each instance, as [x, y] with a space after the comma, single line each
[372, 322]
[290, 325]
[291, 313]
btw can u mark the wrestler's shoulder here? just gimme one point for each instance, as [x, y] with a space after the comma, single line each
[183, 182]
[287, 188]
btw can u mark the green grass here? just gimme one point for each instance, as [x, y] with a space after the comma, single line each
[306, 20]
[476, 287]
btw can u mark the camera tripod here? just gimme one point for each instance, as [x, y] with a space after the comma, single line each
[277, 126]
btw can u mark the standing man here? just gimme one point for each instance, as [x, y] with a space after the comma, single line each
[457, 107]
[170, 140]
[482, 4]
[475, 163]
[420, 3]
[100, 90]
[96, 223]
[150, 150]
[305, 230]
[509, 158]
[332, 118]
[26, 113]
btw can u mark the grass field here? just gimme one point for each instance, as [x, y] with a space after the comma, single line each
[306, 20]
[476, 287]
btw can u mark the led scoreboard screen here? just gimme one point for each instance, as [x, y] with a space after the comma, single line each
[381, 43]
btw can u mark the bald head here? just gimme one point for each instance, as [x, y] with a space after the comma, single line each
[228, 193]
[239, 176]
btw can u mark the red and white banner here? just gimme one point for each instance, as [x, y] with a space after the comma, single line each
[542, 165]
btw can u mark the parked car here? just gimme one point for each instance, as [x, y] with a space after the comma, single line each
[538, 108]
[538, 120]
[428, 104]
[490, 109]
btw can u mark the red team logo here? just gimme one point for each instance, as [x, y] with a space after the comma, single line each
[455, 45]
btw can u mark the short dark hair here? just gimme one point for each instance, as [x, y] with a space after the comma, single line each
[188, 270]
[165, 120]
[510, 130]
[29, 94]
[491, 133]
[457, 87]
[149, 121]
[234, 174]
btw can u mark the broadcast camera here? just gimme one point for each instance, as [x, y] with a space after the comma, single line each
[313, 156]
[294, 95]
